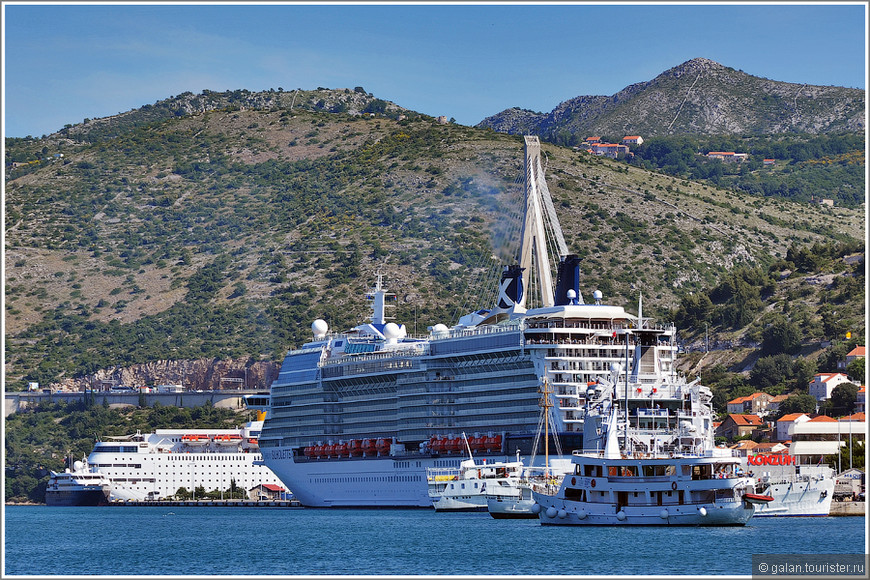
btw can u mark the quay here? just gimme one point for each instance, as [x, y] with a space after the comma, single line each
[847, 508]
[268, 503]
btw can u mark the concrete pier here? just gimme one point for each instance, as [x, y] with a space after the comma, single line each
[847, 508]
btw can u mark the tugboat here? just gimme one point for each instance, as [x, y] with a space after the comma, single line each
[650, 460]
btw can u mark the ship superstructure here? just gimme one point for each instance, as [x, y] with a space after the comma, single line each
[355, 415]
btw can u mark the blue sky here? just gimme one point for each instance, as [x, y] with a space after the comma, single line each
[67, 62]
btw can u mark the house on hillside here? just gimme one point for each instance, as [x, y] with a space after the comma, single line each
[786, 423]
[728, 156]
[823, 383]
[774, 403]
[861, 401]
[756, 403]
[611, 150]
[855, 353]
[632, 140]
[738, 425]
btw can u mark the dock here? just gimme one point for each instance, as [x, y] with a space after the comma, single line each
[251, 503]
[847, 508]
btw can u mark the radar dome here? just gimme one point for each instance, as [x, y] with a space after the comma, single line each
[319, 328]
[597, 295]
[392, 331]
[77, 466]
[439, 328]
[571, 294]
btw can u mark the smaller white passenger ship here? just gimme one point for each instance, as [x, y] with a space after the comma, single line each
[663, 472]
[83, 486]
[467, 487]
[154, 466]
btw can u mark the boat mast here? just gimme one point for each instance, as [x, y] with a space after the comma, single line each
[546, 404]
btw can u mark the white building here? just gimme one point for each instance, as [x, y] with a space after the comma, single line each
[823, 383]
[822, 436]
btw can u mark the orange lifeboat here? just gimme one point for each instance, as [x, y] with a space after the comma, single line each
[309, 451]
[195, 440]
[383, 446]
[454, 444]
[369, 446]
[253, 442]
[329, 450]
[317, 450]
[227, 439]
[477, 443]
[493, 443]
[355, 448]
[341, 450]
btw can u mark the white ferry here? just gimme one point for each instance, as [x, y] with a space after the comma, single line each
[469, 487]
[83, 486]
[650, 463]
[154, 466]
[354, 415]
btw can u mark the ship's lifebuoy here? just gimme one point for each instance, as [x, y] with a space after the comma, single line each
[592, 483]
[674, 486]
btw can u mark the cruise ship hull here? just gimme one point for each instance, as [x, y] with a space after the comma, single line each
[397, 481]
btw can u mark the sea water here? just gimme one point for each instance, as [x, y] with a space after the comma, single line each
[228, 541]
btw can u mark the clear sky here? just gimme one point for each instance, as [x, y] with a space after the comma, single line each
[67, 62]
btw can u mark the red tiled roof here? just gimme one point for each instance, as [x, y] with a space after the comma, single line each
[746, 419]
[857, 351]
[272, 487]
[790, 417]
[823, 419]
[854, 417]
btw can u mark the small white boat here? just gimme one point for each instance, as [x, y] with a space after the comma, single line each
[467, 487]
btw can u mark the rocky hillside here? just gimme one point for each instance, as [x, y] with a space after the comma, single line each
[699, 97]
[221, 233]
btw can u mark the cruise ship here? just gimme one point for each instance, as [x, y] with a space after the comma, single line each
[357, 417]
[154, 466]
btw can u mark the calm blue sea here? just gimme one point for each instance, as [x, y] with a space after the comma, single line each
[128, 541]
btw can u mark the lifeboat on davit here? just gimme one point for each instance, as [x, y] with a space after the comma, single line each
[355, 448]
[477, 443]
[309, 451]
[317, 450]
[436, 443]
[493, 443]
[383, 446]
[454, 445]
[369, 446]
[341, 450]
[195, 440]
[329, 450]
[227, 439]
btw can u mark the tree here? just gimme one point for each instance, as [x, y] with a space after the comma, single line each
[771, 370]
[797, 403]
[843, 399]
[781, 336]
[856, 369]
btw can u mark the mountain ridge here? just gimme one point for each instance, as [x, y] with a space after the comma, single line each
[699, 96]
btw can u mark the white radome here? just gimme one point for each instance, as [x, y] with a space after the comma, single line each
[319, 328]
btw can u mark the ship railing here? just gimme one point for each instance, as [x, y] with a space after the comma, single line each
[381, 355]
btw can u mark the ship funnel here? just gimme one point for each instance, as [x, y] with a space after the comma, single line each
[510, 289]
[567, 281]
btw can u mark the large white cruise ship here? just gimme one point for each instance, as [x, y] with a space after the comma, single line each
[154, 466]
[357, 417]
